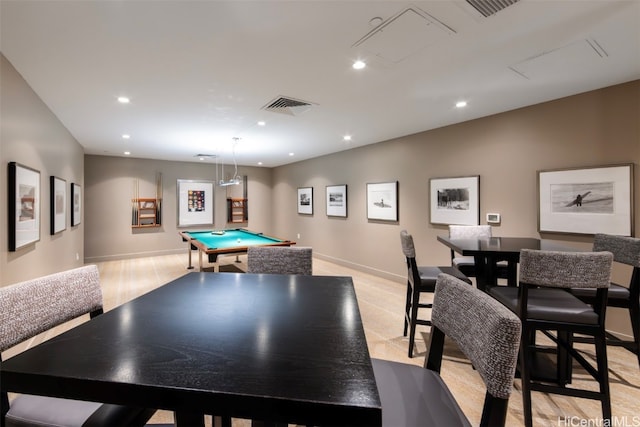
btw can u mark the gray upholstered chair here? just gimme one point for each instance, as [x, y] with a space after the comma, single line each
[543, 302]
[35, 306]
[625, 250]
[280, 260]
[484, 330]
[467, 264]
[420, 279]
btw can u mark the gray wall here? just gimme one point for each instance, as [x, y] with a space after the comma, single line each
[109, 188]
[506, 150]
[31, 135]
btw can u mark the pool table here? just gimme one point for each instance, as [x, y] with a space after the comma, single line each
[225, 242]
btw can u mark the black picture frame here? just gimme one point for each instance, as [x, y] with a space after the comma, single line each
[337, 201]
[305, 200]
[57, 204]
[23, 206]
[76, 204]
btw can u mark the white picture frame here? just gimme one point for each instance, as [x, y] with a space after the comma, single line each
[195, 202]
[305, 200]
[382, 201]
[455, 200]
[337, 200]
[586, 200]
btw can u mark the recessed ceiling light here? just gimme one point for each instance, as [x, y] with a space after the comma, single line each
[291, 154]
[123, 100]
[262, 123]
[347, 137]
[126, 153]
[359, 65]
[259, 163]
[461, 104]
[126, 136]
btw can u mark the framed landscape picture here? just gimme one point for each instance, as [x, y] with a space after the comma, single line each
[305, 200]
[24, 206]
[337, 200]
[455, 200]
[58, 204]
[195, 202]
[76, 204]
[382, 201]
[586, 200]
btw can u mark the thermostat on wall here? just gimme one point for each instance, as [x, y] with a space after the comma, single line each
[493, 218]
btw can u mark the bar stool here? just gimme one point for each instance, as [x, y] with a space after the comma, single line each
[543, 303]
[420, 280]
[625, 250]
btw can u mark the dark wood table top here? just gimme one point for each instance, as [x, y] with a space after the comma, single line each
[271, 347]
[500, 245]
[488, 250]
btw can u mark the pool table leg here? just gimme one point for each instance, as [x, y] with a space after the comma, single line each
[190, 266]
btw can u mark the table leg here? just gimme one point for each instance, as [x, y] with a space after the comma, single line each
[200, 259]
[512, 272]
[189, 419]
[190, 267]
[483, 273]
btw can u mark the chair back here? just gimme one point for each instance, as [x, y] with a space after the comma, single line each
[280, 260]
[625, 250]
[35, 306]
[558, 269]
[469, 231]
[406, 240]
[486, 331]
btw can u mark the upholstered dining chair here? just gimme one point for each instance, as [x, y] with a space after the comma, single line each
[543, 302]
[420, 279]
[625, 250]
[35, 306]
[467, 264]
[484, 330]
[280, 260]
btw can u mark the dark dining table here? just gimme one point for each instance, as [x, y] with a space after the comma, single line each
[275, 348]
[488, 251]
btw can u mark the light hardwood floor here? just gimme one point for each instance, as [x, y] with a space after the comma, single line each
[381, 304]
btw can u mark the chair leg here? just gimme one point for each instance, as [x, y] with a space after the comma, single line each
[603, 374]
[414, 317]
[634, 314]
[407, 307]
[525, 374]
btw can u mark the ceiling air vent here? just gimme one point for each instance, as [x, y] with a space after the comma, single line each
[286, 105]
[490, 7]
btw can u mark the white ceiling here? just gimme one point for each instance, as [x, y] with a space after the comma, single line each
[199, 72]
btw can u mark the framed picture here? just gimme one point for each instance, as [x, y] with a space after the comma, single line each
[382, 201]
[586, 200]
[337, 200]
[76, 204]
[58, 205]
[305, 200]
[455, 200]
[24, 206]
[195, 203]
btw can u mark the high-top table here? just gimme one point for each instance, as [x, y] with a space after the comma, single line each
[489, 250]
[276, 348]
[486, 253]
